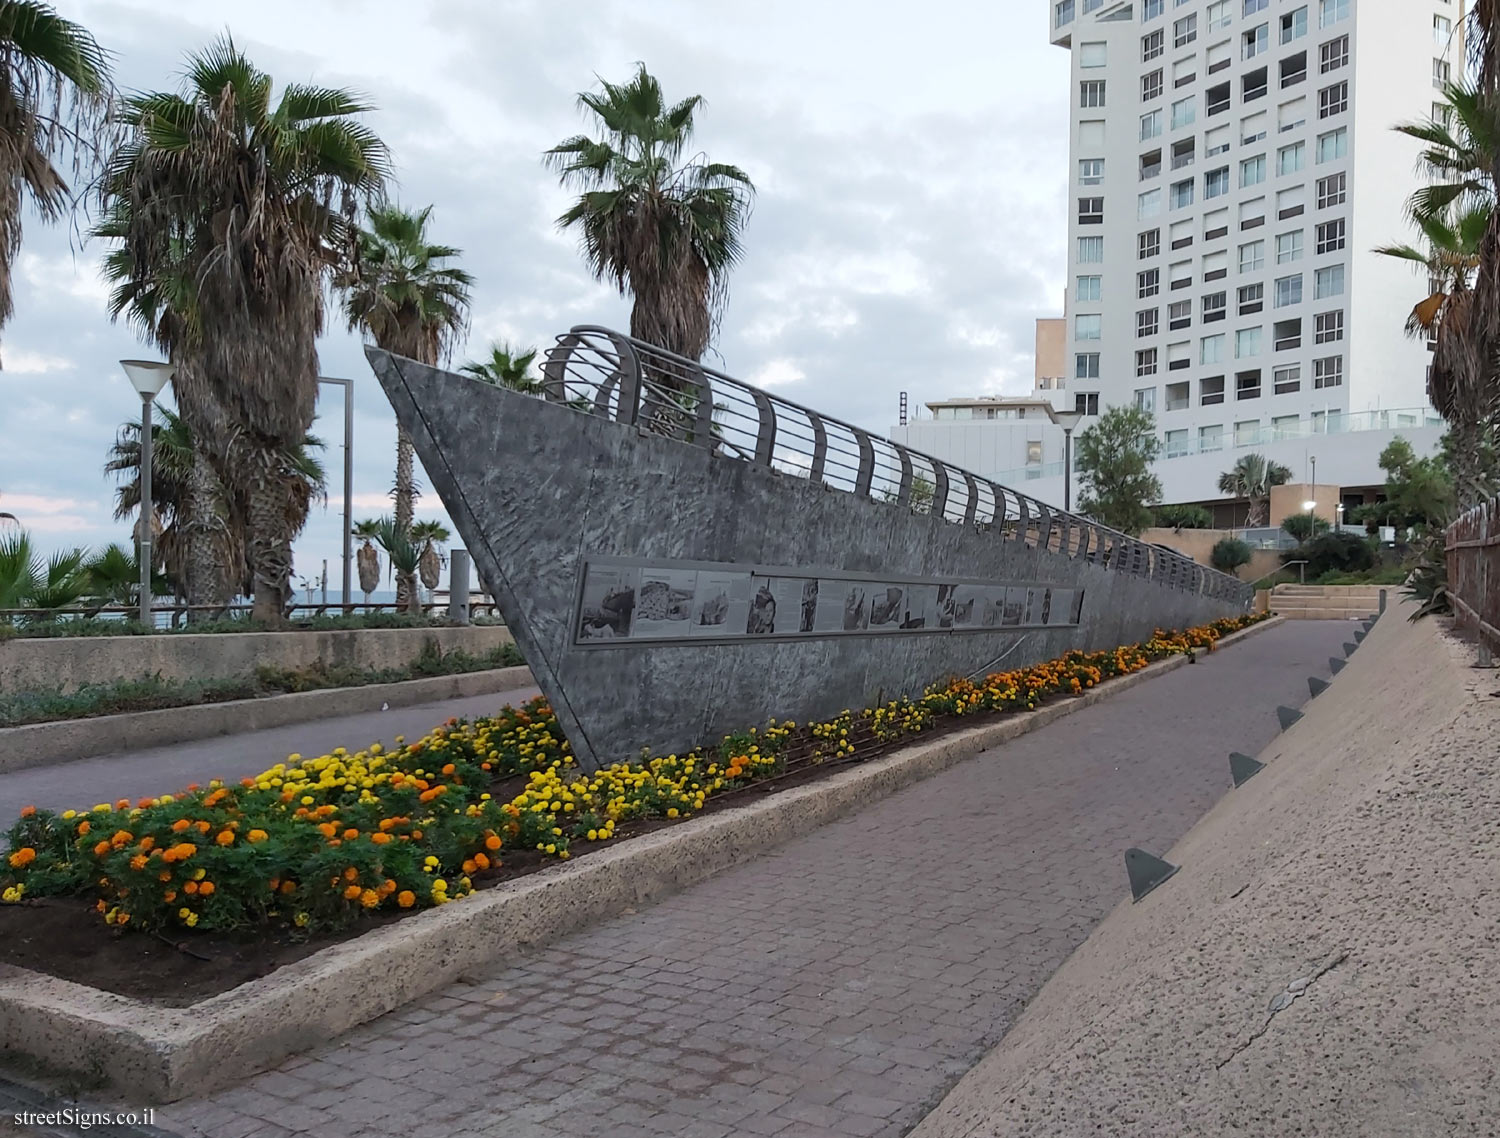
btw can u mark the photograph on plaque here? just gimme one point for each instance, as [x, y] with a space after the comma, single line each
[968, 606]
[809, 605]
[722, 604]
[761, 620]
[1015, 606]
[1061, 610]
[789, 595]
[921, 607]
[946, 606]
[1046, 614]
[886, 608]
[609, 601]
[1078, 607]
[1033, 614]
[856, 607]
[664, 603]
[833, 603]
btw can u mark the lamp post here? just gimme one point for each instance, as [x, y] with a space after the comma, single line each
[1314, 495]
[1068, 421]
[348, 386]
[148, 377]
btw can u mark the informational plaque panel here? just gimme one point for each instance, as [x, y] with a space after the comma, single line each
[641, 602]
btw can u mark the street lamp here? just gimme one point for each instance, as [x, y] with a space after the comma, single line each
[348, 386]
[148, 377]
[1067, 420]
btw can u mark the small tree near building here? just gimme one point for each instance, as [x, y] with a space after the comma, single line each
[1114, 469]
[1229, 554]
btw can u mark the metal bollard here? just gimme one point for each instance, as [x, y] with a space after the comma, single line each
[458, 586]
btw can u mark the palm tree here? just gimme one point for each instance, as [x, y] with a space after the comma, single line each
[1458, 151]
[172, 457]
[255, 204]
[29, 581]
[399, 292]
[54, 96]
[507, 367]
[368, 558]
[665, 231]
[1252, 478]
[429, 536]
[404, 555]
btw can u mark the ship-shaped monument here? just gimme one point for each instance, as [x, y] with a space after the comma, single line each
[680, 555]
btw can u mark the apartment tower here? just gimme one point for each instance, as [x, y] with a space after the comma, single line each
[1232, 169]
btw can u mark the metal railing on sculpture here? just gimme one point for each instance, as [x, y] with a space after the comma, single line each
[616, 377]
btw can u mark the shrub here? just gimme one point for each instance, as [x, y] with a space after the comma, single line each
[1333, 553]
[1229, 554]
[1304, 527]
[1184, 517]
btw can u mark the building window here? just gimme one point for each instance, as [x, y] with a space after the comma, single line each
[1293, 69]
[1216, 183]
[1288, 247]
[1086, 404]
[1090, 288]
[1247, 385]
[1442, 74]
[1091, 250]
[1329, 327]
[1333, 145]
[1184, 112]
[1153, 44]
[1091, 93]
[1294, 25]
[1333, 55]
[1184, 152]
[1219, 15]
[1211, 349]
[1147, 322]
[1211, 438]
[1332, 11]
[1286, 426]
[1253, 85]
[1093, 55]
[1151, 125]
[1211, 391]
[1252, 256]
[1090, 211]
[1087, 327]
[1247, 432]
[1287, 379]
[1328, 372]
[1331, 190]
[1148, 244]
[1290, 159]
[1286, 335]
[1291, 203]
[1331, 236]
[1180, 274]
[1184, 31]
[1288, 291]
[1253, 171]
[1033, 454]
[1179, 315]
[1145, 362]
[1247, 343]
[1086, 365]
[1151, 85]
[1148, 205]
[1252, 299]
[1214, 305]
[1064, 9]
[1182, 194]
[1179, 396]
[1218, 102]
[1090, 171]
[1152, 8]
[1328, 282]
[1255, 42]
[1442, 31]
[1145, 397]
[1333, 100]
[1150, 164]
[1147, 283]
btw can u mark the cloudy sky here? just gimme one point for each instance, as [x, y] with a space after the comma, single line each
[909, 225]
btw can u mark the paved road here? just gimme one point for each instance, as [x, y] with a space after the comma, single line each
[837, 986]
[162, 770]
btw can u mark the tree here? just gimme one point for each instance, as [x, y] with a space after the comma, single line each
[29, 581]
[1305, 527]
[1418, 491]
[404, 554]
[1180, 518]
[255, 204]
[1229, 553]
[429, 537]
[368, 558]
[1252, 478]
[507, 367]
[403, 295]
[1333, 553]
[663, 230]
[54, 97]
[1114, 468]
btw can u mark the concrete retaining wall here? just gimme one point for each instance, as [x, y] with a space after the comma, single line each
[68, 663]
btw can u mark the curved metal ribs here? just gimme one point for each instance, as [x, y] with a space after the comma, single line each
[613, 376]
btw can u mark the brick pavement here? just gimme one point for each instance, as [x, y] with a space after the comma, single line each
[834, 988]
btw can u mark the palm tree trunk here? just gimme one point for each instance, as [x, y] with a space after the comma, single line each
[206, 578]
[270, 537]
[1255, 517]
[406, 496]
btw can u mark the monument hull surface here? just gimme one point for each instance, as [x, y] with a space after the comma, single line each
[665, 594]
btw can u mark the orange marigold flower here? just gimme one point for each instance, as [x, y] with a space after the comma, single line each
[492, 843]
[202, 826]
[481, 861]
[449, 768]
[369, 899]
[83, 827]
[470, 865]
[256, 836]
[182, 851]
[101, 849]
[205, 888]
[350, 834]
[327, 829]
[351, 874]
[138, 862]
[225, 838]
[180, 825]
[164, 875]
[169, 895]
[288, 887]
[380, 838]
[352, 893]
[406, 898]
[190, 887]
[123, 804]
[120, 837]
[27, 811]
[148, 843]
[22, 857]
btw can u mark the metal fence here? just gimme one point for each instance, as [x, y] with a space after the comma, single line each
[172, 616]
[613, 376]
[1473, 546]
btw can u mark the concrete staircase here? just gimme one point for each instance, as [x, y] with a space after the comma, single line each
[1329, 602]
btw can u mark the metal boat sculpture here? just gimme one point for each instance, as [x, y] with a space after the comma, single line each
[681, 555]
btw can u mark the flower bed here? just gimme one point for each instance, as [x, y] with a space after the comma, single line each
[318, 845]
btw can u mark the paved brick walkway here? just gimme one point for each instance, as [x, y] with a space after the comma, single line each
[835, 987]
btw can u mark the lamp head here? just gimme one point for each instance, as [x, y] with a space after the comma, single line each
[1309, 505]
[1067, 420]
[148, 376]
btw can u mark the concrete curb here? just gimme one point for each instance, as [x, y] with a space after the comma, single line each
[163, 1054]
[38, 744]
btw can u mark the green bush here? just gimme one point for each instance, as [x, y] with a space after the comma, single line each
[1229, 553]
[1184, 517]
[1305, 526]
[1333, 553]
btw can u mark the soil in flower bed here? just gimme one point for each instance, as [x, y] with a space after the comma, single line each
[63, 936]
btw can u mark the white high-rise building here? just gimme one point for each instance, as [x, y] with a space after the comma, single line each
[1232, 169]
